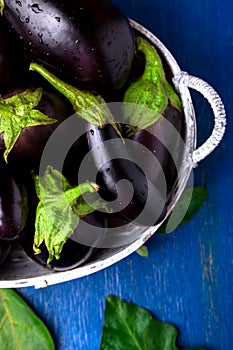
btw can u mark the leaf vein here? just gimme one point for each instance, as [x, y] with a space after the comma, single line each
[10, 321]
[2, 323]
[132, 335]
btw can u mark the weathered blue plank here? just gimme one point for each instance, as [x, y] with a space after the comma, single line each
[187, 278]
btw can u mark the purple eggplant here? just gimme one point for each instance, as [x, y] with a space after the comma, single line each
[85, 41]
[141, 202]
[79, 248]
[13, 66]
[153, 115]
[30, 144]
[13, 205]
[5, 248]
[164, 146]
[74, 252]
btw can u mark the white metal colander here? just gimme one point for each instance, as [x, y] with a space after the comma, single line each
[21, 271]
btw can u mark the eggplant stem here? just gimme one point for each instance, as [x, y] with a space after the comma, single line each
[2, 5]
[89, 106]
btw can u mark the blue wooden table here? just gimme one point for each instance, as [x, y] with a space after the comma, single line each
[187, 278]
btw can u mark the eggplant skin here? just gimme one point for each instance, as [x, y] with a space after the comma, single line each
[5, 248]
[168, 149]
[12, 208]
[87, 41]
[13, 66]
[114, 164]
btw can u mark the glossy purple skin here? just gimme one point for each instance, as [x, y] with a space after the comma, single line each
[86, 41]
[114, 164]
[12, 64]
[167, 149]
[5, 248]
[12, 210]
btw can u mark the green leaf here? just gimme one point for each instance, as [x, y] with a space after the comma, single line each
[189, 203]
[151, 93]
[18, 112]
[89, 106]
[143, 251]
[59, 210]
[128, 326]
[20, 328]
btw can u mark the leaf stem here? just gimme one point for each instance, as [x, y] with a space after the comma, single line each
[2, 5]
[74, 193]
[89, 106]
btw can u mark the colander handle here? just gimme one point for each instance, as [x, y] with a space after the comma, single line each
[184, 79]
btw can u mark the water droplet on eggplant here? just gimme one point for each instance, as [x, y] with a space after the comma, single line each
[36, 8]
[40, 35]
[78, 25]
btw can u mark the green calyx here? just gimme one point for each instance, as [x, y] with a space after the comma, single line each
[89, 106]
[2, 5]
[148, 97]
[59, 210]
[19, 112]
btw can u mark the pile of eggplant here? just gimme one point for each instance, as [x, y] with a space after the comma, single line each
[59, 59]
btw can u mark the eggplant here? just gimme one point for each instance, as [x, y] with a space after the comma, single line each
[5, 248]
[164, 147]
[13, 65]
[153, 117]
[79, 248]
[30, 144]
[142, 202]
[88, 42]
[74, 252]
[13, 205]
